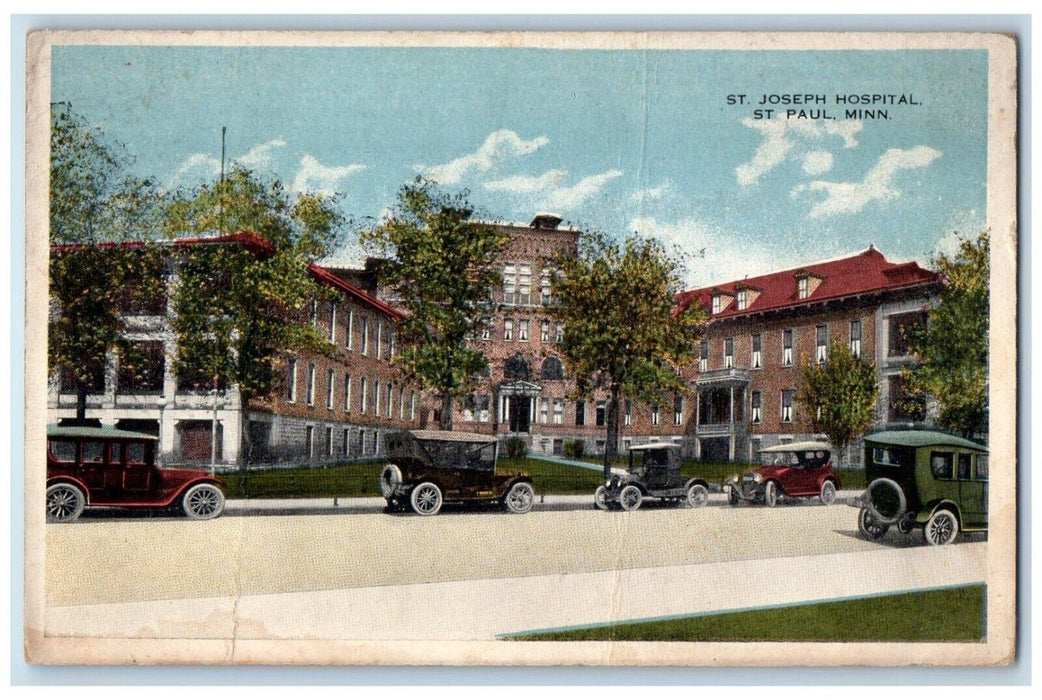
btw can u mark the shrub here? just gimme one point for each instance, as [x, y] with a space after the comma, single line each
[516, 447]
[573, 449]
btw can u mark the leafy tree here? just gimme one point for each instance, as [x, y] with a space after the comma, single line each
[237, 308]
[440, 264]
[840, 395]
[96, 210]
[620, 331]
[952, 349]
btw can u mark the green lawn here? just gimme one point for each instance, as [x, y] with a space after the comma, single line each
[948, 615]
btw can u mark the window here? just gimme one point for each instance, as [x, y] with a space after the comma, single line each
[522, 330]
[757, 407]
[376, 398]
[743, 297]
[703, 356]
[524, 284]
[822, 344]
[786, 353]
[627, 413]
[654, 414]
[757, 362]
[509, 283]
[508, 329]
[486, 328]
[329, 442]
[390, 400]
[558, 411]
[803, 287]
[401, 403]
[903, 405]
[95, 379]
[559, 333]
[544, 287]
[728, 353]
[141, 299]
[390, 343]
[478, 408]
[379, 337]
[942, 464]
[311, 384]
[349, 330]
[291, 380]
[363, 387]
[787, 398]
[964, 466]
[330, 388]
[314, 312]
[345, 447]
[601, 416]
[65, 450]
[365, 334]
[412, 405]
[901, 326]
[855, 338]
[544, 410]
[982, 467]
[678, 410]
[141, 370]
[347, 393]
[332, 324]
[718, 303]
[309, 441]
[580, 413]
[552, 369]
[544, 331]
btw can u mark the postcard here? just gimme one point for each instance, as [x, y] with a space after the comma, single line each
[638, 349]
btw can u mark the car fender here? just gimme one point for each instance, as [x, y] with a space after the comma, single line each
[829, 477]
[65, 479]
[932, 507]
[219, 483]
[691, 482]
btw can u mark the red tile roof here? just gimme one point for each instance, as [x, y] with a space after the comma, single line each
[326, 277]
[864, 273]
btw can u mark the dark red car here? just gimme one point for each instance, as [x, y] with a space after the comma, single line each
[791, 470]
[106, 467]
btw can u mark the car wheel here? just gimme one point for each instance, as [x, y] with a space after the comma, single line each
[886, 499]
[520, 497]
[869, 526]
[390, 477]
[828, 493]
[941, 528]
[426, 499]
[697, 495]
[630, 497]
[906, 524]
[600, 497]
[770, 494]
[203, 502]
[65, 502]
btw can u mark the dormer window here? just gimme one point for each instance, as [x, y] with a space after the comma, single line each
[803, 287]
[807, 283]
[743, 298]
[718, 304]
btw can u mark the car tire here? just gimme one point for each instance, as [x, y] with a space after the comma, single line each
[203, 502]
[600, 498]
[942, 527]
[390, 477]
[697, 496]
[770, 494]
[828, 492]
[899, 507]
[630, 497]
[868, 526]
[426, 498]
[65, 503]
[520, 498]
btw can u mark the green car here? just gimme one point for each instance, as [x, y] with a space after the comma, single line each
[924, 479]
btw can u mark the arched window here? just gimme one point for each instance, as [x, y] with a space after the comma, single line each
[552, 369]
[516, 368]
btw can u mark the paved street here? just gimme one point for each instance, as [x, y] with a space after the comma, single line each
[312, 570]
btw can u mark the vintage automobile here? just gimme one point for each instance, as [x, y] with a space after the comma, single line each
[428, 468]
[924, 479]
[95, 466]
[654, 472]
[790, 470]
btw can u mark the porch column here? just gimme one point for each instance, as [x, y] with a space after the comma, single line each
[730, 429]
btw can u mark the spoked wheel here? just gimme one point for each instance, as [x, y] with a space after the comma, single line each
[630, 497]
[697, 496]
[770, 494]
[203, 502]
[941, 528]
[65, 502]
[869, 526]
[600, 497]
[426, 499]
[390, 477]
[520, 497]
[828, 493]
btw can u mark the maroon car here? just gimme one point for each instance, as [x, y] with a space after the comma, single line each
[791, 470]
[106, 467]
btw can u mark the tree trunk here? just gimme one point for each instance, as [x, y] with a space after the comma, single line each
[81, 401]
[613, 430]
[445, 421]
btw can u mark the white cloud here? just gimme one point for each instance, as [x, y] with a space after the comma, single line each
[851, 197]
[568, 197]
[777, 143]
[657, 193]
[817, 162]
[316, 177]
[963, 224]
[196, 168]
[498, 146]
[527, 184]
[713, 256]
[260, 156]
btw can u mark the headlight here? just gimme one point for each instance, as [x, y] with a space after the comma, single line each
[758, 478]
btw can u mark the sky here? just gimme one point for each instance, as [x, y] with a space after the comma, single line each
[613, 141]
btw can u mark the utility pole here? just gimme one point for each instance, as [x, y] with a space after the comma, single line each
[213, 422]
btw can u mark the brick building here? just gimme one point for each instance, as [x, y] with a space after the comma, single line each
[329, 408]
[761, 328]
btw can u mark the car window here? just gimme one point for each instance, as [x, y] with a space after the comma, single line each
[942, 464]
[886, 457]
[63, 450]
[115, 453]
[481, 457]
[982, 467]
[93, 452]
[964, 467]
[135, 453]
